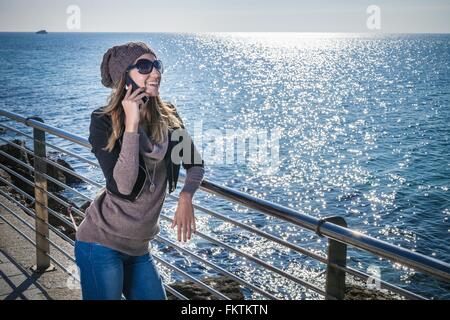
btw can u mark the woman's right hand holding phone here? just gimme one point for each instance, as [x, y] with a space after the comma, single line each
[131, 103]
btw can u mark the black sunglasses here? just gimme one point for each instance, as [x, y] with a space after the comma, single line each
[145, 66]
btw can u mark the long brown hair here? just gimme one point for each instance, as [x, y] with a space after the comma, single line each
[156, 116]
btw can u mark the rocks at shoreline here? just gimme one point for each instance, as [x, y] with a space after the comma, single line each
[193, 291]
[52, 171]
[28, 159]
[357, 289]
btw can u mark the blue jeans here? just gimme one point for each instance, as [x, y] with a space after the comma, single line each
[106, 273]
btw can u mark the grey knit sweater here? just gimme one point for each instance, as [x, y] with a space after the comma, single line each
[129, 226]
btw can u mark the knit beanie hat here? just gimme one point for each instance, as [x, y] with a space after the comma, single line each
[118, 58]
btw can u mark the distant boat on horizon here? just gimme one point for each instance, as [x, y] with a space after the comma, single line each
[42, 32]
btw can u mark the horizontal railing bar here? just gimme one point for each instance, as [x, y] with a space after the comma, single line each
[53, 163]
[384, 285]
[92, 163]
[259, 232]
[30, 240]
[33, 243]
[71, 242]
[47, 128]
[16, 229]
[33, 229]
[46, 176]
[176, 293]
[61, 266]
[17, 131]
[256, 260]
[408, 258]
[62, 185]
[418, 261]
[61, 235]
[193, 279]
[54, 197]
[216, 267]
[51, 211]
[167, 287]
[32, 214]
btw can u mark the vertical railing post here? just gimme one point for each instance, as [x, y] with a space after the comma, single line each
[41, 202]
[337, 255]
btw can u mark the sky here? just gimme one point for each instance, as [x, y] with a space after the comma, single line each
[395, 16]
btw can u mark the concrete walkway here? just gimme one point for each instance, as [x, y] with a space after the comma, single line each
[17, 255]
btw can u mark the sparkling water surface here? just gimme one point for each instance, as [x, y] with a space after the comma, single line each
[365, 135]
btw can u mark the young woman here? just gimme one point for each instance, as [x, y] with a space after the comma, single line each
[131, 138]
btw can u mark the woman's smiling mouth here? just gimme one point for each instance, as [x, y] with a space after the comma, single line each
[153, 84]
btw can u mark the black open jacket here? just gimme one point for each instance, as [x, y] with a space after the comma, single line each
[99, 131]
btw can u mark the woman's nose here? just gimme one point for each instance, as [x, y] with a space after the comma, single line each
[154, 74]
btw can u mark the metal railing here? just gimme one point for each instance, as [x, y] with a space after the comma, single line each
[333, 228]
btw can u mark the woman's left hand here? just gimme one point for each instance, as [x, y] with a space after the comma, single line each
[184, 217]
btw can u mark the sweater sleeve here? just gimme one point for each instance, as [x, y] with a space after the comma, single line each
[126, 169]
[194, 177]
[115, 169]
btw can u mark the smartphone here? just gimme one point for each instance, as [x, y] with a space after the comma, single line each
[130, 82]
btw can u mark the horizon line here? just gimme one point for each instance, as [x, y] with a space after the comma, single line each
[342, 32]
